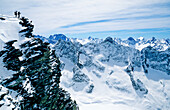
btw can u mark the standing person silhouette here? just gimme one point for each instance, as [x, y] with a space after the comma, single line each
[15, 13]
[19, 13]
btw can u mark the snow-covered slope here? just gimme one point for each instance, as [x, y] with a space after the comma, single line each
[9, 30]
[100, 76]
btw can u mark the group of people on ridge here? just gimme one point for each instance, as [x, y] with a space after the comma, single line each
[17, 14]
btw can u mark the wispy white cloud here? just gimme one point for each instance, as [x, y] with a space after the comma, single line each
[50, 16]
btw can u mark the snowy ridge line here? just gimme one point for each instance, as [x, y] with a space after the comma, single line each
[139, 43]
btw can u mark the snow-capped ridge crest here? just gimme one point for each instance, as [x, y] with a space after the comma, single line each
[53, 38]
[109, 39]
[58, 36]
[139, 43]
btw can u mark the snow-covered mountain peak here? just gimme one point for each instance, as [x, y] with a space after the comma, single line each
[58, 36]
[141, 38]
[90, 38]
[131, 39]
[116, 76]
[139, 43]
[109, 39]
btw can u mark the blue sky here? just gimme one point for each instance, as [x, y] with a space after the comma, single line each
[96, 18]
[136, 33]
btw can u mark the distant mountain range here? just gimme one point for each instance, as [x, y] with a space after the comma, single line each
[139, 43]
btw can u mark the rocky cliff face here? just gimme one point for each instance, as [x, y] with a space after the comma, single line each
[108, 67]
[159, 60]
[109, 50]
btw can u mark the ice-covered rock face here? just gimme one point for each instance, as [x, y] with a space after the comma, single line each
[67, 50]
[90, 54]
[106, 51]
[97, 69]
[93, 60]
[159, 60]
[118, 53]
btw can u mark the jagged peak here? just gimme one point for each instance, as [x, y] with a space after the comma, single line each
[109, 39]
[139, 43]
[131, 39]
[141, 38]
[90, 38]
[57, 36]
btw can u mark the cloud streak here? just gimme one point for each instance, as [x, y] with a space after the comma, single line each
[80, 16]
[116, 19]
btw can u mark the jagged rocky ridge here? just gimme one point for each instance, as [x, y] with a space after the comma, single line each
[139, 43]
[111, 50]
[155, 51]
[104, 59]
[35, 70]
